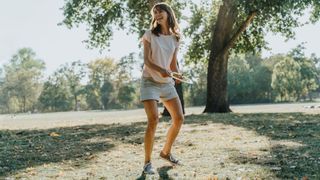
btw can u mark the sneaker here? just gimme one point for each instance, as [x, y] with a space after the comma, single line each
[148, 169]
[170, 159]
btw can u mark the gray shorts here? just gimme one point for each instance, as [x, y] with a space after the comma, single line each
[151, 90]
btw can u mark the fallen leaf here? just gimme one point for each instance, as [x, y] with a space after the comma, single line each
[54, 134]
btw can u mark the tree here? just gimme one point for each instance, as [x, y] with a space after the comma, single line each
[21, 85]
[308, 71]
[196, 92]
[73, 74]
[126, 96]
[92, 95]
[102, 73]
[106, 90]
[260, 77]
[229, 29]
[286, 79]
[239, 80]
[56, 95]
[2, 93]
[123, 81]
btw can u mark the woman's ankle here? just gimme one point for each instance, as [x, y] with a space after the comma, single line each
[147, 161]
[163, 153]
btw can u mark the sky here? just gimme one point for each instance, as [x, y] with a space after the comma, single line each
[33, 24]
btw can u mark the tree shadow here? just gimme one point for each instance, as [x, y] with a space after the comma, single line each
[21, 149]
[285, 162]
[163, 173]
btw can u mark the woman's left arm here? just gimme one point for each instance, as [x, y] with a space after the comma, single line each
[174, 63]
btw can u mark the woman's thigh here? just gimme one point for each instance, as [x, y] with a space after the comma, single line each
[174, 107]
[151, 109]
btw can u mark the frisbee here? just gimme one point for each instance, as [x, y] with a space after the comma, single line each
[181, 77]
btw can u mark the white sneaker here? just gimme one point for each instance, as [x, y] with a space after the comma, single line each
[170, 159]
[148, 169]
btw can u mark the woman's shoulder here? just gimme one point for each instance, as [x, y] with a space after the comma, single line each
[147, 32]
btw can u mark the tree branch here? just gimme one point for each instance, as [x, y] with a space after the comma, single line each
[241, 29]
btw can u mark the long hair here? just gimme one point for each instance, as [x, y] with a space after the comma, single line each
[172, 21]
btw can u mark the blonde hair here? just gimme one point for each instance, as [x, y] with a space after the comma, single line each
[172, 21]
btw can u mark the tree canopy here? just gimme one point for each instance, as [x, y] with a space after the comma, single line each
[103, 17]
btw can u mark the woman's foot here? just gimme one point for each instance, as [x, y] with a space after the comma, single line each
[148, 169]
[170, 158]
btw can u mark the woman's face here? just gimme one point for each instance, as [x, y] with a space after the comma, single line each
[161, 16]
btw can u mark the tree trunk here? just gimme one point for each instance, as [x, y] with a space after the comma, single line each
[24, 103]
[223, 38]
[217, 98]
[75, 103]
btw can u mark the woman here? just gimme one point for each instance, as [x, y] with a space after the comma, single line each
[160, 44]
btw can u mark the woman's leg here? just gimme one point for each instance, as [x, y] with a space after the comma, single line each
[175, 110]
[151, 108]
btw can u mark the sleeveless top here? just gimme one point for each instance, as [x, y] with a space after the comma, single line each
[162, 50]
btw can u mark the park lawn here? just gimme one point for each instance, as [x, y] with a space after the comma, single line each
[223, 146]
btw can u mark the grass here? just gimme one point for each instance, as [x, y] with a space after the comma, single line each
[295, 141]
[223, 146]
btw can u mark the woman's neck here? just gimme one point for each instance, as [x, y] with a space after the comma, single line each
[165, 30]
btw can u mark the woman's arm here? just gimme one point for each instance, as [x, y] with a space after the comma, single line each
[174, 63]
[149, 63]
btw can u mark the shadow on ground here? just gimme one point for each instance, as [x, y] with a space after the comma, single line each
[21, 149]
[162, 171]
[286, 162]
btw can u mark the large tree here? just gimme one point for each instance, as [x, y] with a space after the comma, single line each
[73, 74]
[21, 84]
[239, 26]
[308, 71]
[56, 95]
[286, 79]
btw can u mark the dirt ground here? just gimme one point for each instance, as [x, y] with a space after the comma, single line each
[279, 141]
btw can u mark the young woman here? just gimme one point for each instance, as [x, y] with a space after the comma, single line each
[160, 44]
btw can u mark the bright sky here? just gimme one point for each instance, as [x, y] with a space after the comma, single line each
[33, 24]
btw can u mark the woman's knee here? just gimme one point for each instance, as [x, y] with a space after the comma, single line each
[179, 119]
[153, 121]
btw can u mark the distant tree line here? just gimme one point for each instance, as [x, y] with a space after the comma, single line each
[106, 83]
[98, 85]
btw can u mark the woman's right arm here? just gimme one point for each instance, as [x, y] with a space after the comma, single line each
[148, 60]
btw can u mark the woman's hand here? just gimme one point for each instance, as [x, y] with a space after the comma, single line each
[165, 73]
[179, 76]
